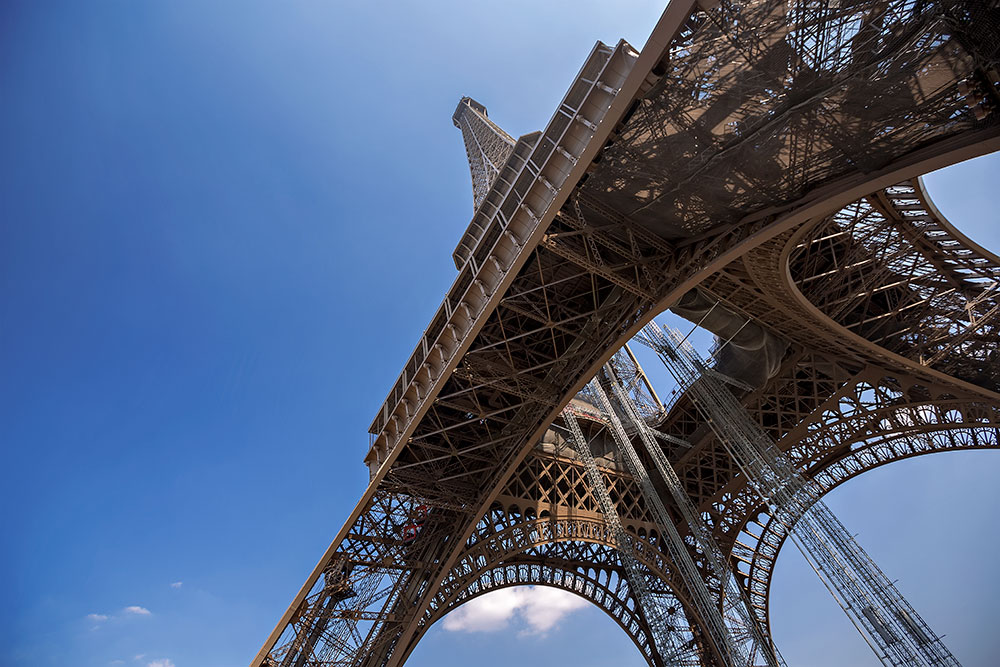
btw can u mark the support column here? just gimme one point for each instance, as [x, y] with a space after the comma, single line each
[661, 613]
[744, 629]
[890, 625]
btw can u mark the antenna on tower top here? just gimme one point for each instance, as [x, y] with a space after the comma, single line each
[487, 146]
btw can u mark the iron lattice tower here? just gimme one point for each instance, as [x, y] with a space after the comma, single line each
[487, 146]
[755, 168]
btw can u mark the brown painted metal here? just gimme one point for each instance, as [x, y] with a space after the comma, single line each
[745, 150]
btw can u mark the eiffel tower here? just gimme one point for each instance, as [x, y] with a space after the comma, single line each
[755, 168]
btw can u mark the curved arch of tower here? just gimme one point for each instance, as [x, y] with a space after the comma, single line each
[755, 168]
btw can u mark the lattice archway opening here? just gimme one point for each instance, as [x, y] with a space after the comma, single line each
[877, 453]
[574, 554]
[589, 589]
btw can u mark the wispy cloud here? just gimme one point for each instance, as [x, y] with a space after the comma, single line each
[137, 610]
[97, 618]
[538, 608]
[161, 663]
[177, 584]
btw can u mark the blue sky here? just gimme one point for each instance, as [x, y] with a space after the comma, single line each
[224, 226]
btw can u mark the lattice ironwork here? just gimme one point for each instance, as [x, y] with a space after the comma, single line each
[789, 94]
[704, 159]
[865, 425]
[889, 270]
[897, 634]
[593, 580]
[658, 605]
[487, 146]
[745, 633]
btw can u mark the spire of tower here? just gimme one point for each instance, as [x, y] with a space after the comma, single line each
[487, 146]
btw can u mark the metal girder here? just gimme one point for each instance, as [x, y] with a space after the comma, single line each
[891, 626]
[659, 608]
[906, 281]
[731, 118]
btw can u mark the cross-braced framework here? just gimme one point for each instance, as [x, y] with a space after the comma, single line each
[712, 160]
[886, 269]
[487, 146]
[897, 634]
[671, 640]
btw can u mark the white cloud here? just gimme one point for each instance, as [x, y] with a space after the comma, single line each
[140, 656]
[137, 610]
[488, 613]
[538, 608]
[545, 607]
[161, 663]
[97, 618]
[177, 584]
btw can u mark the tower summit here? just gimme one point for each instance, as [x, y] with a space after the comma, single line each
[487, 146]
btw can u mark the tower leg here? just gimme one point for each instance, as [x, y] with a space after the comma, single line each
[890, 625]
[661, 612]
[744, 629]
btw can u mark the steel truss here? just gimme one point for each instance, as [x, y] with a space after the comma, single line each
[487, 146]
[731, 648]
[547, 514]
[656, 172]
[664, 616]
[906, 282]
[744, 630]
[897, 634]
[838, 444]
